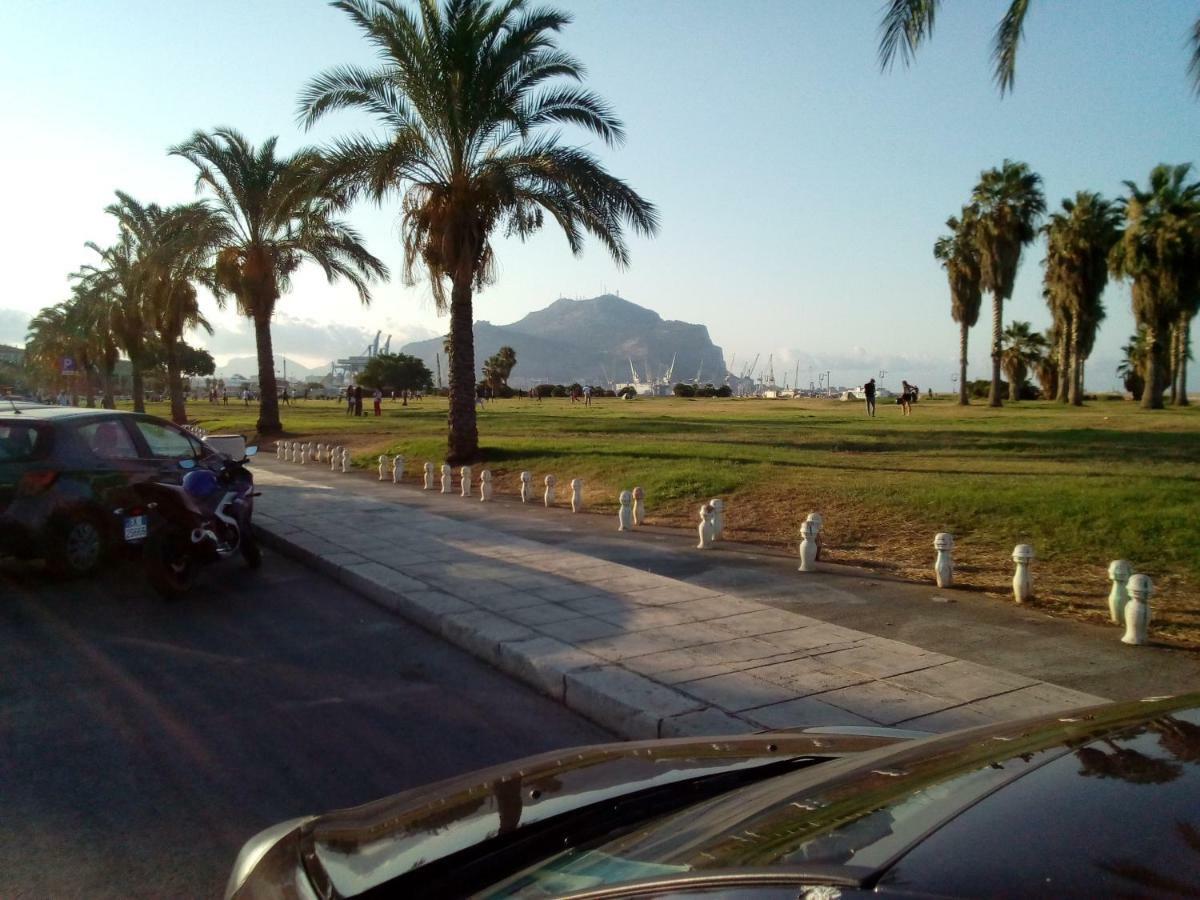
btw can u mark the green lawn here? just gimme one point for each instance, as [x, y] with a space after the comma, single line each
[1082, 485]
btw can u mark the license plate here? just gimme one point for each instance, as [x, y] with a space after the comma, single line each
[135, 528]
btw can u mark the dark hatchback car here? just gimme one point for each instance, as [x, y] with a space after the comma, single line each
[1101, 802]
[65, 472]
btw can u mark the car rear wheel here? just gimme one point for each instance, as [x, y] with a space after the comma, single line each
[77, 546]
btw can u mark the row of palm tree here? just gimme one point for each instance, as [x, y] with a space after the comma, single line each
[1150, 237]
[464, 94]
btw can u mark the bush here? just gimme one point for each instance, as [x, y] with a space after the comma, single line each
[724, 391]
[684, 390]
[558, 391]
[627, 393]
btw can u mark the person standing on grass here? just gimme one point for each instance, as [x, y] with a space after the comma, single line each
[869, 394]
[358, 400]
[906, 395]
[350, 400]
[378, 398]
[587, 395]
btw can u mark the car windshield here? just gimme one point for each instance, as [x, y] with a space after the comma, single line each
[23, 442]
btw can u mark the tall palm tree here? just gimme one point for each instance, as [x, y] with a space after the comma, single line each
[277, 217]
[1059, 333]
[94, 309]
[1157, 253]
[1023, 348]
[906, 24]
[1133, 363]
[1046, 367]
[959, 256]
[1010, 204]
[465, 91]
[1078, 241]
[51, 339]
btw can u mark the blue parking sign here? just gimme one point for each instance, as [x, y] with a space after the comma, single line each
[68, 365]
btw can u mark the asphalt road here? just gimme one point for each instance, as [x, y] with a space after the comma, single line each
[142, 742]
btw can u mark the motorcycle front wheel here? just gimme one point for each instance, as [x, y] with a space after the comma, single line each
[251, 551]
[170, 563]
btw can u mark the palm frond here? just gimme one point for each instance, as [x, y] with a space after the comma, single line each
[905, 25]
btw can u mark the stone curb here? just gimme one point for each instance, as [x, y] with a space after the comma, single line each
[628, 704]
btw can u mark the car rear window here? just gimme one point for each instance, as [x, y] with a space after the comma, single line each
[23, 441]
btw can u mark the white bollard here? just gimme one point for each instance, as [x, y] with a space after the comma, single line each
[526, 486]
[625, 512]
[447, 478]
[1022, 581]
[1137, 610]
[334, 453]
[465, 478]
[548, 497]
[718, 506]
[397, 469]
[808, 546]
[295, 452]
[303, 454]
[383, 466]
[819, 523]
[313, 456]
[639, 506]
[320, 453]
[345, 460]
[485, 486]
[576, 495]
[1119, 571]
[706, 528]
[428, 476]
[279, 450]
[943, 568]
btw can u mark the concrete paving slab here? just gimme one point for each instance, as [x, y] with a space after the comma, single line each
[705, 722]
[481, 632]
[541, 614]
[736, 691]
[808, 712]
[544, 662]
[885, 703]
[584, 628]
[625, 701]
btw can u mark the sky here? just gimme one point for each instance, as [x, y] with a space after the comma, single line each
[800, 189]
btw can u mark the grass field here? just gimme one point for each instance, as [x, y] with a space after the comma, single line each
[1084, 486]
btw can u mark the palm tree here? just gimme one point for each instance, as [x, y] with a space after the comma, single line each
[960, 258]
[1046, 368]
[1023, 348]
[1010, 204]
[908, 23]
[1133, 363]
[277, 217]
[1078, 241]
[1157, 253]
[52, 339]
[465, 91]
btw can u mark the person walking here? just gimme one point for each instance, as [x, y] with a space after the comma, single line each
[869, 394]
[587, 395]
[358, 400]
[906, 398]
[350, 400]
[378, 398]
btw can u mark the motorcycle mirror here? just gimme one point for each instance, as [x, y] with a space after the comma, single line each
[251, 451]
[187, 464]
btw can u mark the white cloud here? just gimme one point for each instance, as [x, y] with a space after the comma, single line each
[14, 323]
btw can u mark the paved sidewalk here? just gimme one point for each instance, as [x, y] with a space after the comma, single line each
[639, 652]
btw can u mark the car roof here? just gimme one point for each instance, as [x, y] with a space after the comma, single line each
[56, 413]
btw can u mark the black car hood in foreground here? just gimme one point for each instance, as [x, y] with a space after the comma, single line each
[1100, 802]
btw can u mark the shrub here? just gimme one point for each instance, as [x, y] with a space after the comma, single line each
[684, 390]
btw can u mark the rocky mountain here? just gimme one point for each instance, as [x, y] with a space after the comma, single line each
[247, 366]
[592, 342]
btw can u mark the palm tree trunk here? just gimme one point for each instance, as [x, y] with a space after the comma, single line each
[1173, 352]
[268, 404]
[106, 381]
[1064, 363]
[464, 433]
[1014, 384]
[1076, 395]
[1152, 392]
[174, 388]
[139, 387]
[1185, 342]
[997, 315]
[962, 364]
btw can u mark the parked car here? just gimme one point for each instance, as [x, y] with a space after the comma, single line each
[1101, 802]
[66, 471]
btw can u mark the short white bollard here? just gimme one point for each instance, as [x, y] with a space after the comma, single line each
[397, 469]
[447, 478]
[313, 456]
[295, 451]
[1022, 555]
[705, 529]
[320, 453]
[485, 485]
[576, 495]
[334, 453]
[943, 568]
[526, 486]
[718, 506]
[819, 522]
[548, 497]
[464, 475]
[1119, 571]
[625, 511]
[639, 506]
[808, 546]
[279, 450]
[345, 460]
[303, 454]
[428, 476]
[383, 466]
[1137, 610]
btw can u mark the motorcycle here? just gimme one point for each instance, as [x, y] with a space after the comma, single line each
[203, 520]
